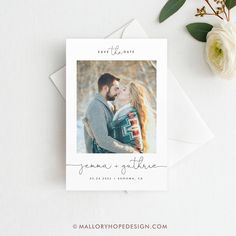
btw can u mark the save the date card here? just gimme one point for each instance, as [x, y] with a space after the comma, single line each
[116, 120]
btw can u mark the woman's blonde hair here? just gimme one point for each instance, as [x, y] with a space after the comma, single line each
[139, 99]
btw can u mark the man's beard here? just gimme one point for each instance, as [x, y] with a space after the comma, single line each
[109, 97]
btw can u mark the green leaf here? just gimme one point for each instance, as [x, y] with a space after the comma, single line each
[199, 30]
[230, 4]
[170, 8]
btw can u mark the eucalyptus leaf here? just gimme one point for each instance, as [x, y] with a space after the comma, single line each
[199, 30]
[170, 8]
[230, 4]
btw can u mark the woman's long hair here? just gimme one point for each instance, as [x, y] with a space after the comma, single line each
[139, 100]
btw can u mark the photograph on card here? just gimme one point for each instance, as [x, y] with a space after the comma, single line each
[116, 106]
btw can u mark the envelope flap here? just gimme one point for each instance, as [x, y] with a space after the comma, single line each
[59, 80]
[134, 30]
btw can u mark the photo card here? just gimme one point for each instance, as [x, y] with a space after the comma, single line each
[116, 137]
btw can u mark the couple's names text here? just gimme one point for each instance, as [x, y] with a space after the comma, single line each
[134, 164]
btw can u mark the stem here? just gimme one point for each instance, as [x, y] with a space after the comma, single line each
[210, 14]
[223, 7]
[207, 1]
[228, 15]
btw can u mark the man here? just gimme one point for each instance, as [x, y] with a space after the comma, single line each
[99, 116]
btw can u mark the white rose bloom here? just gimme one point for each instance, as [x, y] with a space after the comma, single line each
[221, 49]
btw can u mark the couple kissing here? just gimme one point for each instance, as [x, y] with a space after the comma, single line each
[117, 118]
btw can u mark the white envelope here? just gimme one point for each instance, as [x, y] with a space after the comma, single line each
[186, 129]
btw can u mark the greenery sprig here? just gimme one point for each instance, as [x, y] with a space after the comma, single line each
[218, 8]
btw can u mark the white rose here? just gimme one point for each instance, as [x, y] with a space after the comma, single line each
[221, 49]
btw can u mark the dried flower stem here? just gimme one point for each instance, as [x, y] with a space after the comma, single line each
[207, 1]
[209, 14]
[223, 7]
[228, 15]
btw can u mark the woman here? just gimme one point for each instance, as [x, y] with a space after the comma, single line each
[129, 124]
